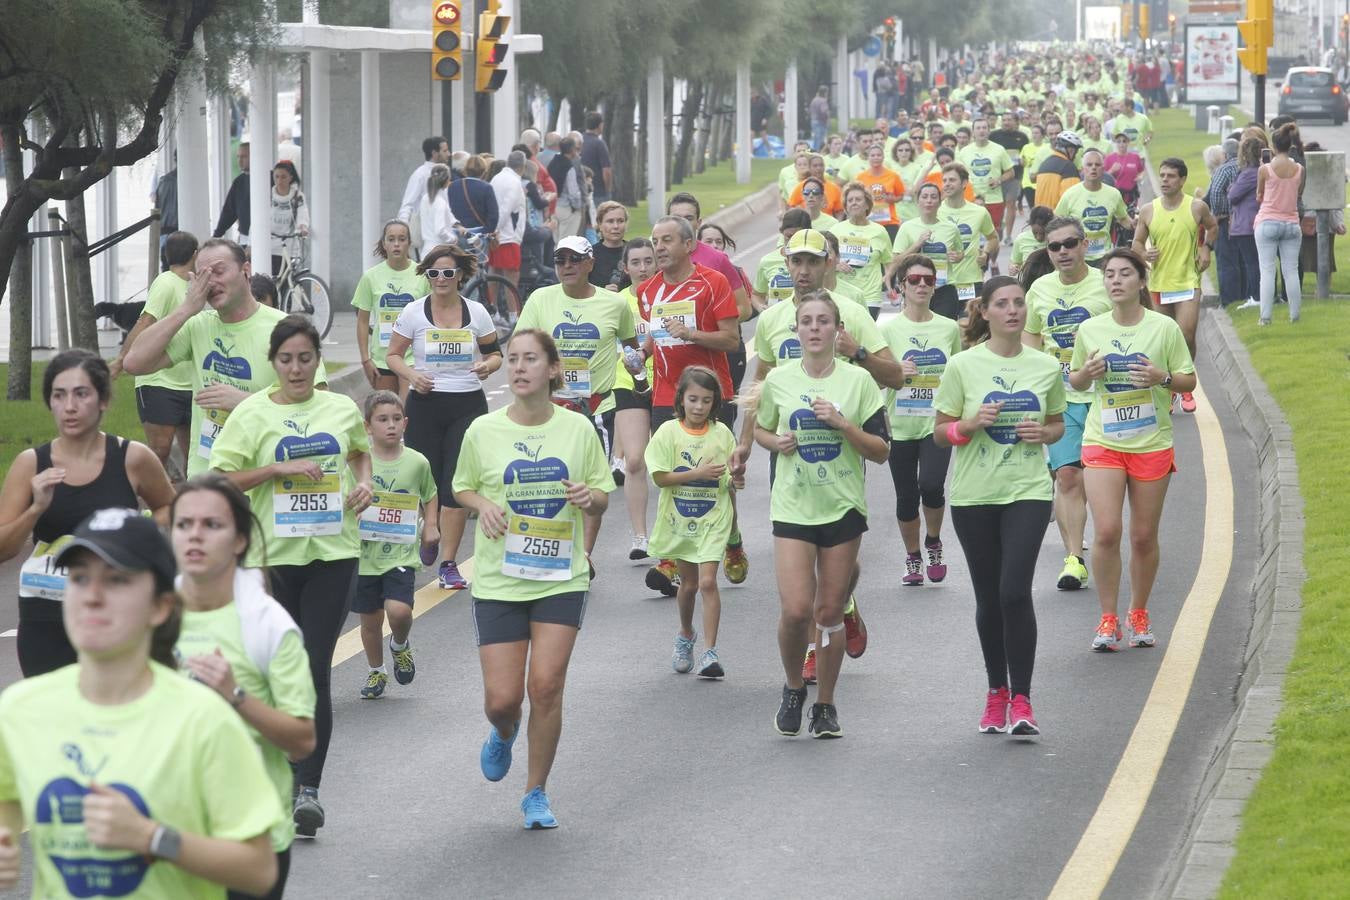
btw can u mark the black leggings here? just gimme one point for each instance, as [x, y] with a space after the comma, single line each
[42, 643]
[436, 425]
[317, 595]
[919, 470]
[1001, 542]
[283, 870]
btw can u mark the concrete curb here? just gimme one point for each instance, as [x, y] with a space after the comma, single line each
[744, 210]
[1248, 742]
[350, 381]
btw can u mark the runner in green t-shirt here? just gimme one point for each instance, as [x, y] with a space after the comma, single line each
[380, 296]
[989, 166]
[936, 239]
[390, 530]
[864, 247]
[1031, 238]
[792, 174]
[823, 420]
[999, 404]
[689, 458]
[1131, 360]
[1096, 205]
[236, 639]
[531, 471]
[973, 222]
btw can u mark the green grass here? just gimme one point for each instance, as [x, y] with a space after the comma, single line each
[715, 188]
[1297, 825]
[1175, 135]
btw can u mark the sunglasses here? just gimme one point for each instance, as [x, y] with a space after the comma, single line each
[929, 280]
[564, 259]
[1069, 244]
[441, 273]
[812, 192]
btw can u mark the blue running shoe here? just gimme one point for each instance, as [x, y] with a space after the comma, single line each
[538, 814]
[495, 758]
[450, 577]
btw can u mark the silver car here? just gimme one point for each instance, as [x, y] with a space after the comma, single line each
[1311, 92]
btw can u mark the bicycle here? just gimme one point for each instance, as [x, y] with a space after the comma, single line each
[476, 287]
[299, 290]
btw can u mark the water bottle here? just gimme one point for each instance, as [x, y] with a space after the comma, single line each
[634, 362]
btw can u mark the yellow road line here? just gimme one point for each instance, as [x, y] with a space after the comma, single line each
[1098, 852]
[426, 599]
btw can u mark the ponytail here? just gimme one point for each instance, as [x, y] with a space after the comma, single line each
[164, 638]
[976, 328]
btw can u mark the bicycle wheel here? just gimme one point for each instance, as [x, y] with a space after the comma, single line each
[502, 289]
[309, 297]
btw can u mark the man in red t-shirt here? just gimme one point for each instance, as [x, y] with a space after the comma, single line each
[693, 321]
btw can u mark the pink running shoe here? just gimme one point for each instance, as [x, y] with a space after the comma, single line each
[995, 718]
[913, 570]
[1023, 720]
[937, 569]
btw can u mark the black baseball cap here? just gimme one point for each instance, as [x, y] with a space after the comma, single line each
[124, 539]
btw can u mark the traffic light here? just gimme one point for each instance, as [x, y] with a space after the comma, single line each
[1143, 21]
[490, 51]
[447, 63]
[1258, 33]
[1345, 27]
[1126, 19]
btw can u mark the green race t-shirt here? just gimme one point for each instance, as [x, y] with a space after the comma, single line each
[787, 179]
[996, 466]
[587, 332]
[908, 208]
[1056, 310]
[823, 222]
[866, 249]
[834, 167]
[233, 354]
[390, 527]
[1031, 158]
[852, 167]
[178, 752]
[1096, 210]
[776, 334]
[1024, 245]
[520, 468]
[973, 223]
[987, 165]
[302, 520]
[165, 295]
[623, 380]
[823, 479]
[1137, 127]
[383, 291]
[772, 280]
[930, 345]
[1121, 417]
[286, 686]
[942, 238]
[693, 520]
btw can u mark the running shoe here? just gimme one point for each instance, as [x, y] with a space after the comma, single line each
[307, 813]
[789, 718]
[375, 684]
[736, 563]
[937, 569]
[451, 580]
[824, 721]
[709, 666]
[590, 567]
[1022, 721]
[664, 577]
[682, 660]
[405, 670]
[1188, 402]
[1141, 635]
[639, 548]
[1074, 575]
[1172, 408]
[538, 813]
[995, 718]
[495, 757]
[429, 553]
[855, 631]
[913, 570]
[617, 470]
[1107, 639]
[809, 667]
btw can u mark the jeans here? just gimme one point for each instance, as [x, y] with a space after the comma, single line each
[1245, 247]
[818, 135]
[1230, 267]
[1285, 240]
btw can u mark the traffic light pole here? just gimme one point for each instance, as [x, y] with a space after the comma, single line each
[1259, 105]
[482, 102]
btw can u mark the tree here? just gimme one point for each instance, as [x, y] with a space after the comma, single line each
[96, 76]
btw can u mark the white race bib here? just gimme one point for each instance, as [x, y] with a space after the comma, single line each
[447, 348]
[1096, 247]
[386, 320]
[576, 376]
[1129, 414]
[390, 518]
[857, 255]
[538, 549]
[302, 507]
[664, 314]
[915, 396]
[1170, 297]
[213, 420]
[965, 292]
[1064, 356]
[39, 576]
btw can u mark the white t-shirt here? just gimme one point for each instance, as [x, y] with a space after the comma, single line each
[445, 353]
[437, 220]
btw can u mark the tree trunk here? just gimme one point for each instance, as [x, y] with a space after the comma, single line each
[623, 151]
[20, 268]
[702, 124]
[693, 98]
[714, 126]
[79, 281]
[728, 118]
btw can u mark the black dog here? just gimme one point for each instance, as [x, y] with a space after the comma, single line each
[124, 315]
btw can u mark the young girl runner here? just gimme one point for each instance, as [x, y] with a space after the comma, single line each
[924, 343]
[688, 458]
[380, 296]
[238, 641]
[403, 484]
[531, 471]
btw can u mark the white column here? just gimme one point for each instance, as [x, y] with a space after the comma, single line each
[222, 160]
[791, 129]
[843, 80]
[370, 147]
[105, 264]
[44, 310]
[194, 200]
[262, 124]
[656, 140]
[460, 96]
[743, 135]
[1077, 21]
[506, 101]
[318, 165]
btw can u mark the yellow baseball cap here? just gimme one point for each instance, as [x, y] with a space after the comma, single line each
[808, 240]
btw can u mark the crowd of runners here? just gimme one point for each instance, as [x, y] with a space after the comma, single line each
[884, 332]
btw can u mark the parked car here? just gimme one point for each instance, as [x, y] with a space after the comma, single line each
[1312, 92]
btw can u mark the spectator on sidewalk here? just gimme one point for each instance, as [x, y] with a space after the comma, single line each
[1231, 287]
[434, 217]
[1278, 235]
[508, 185]
[565, 170]
[820, 117]
[595, 156]
[472, 199]
[436, 151]
[552, 141]
[1242, 207]
[235, 209]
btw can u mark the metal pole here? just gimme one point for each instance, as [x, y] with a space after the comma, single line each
[791, 130]
[54, 223]
[370, 147]
[1078, 21]
[1260, 102]
[656, 140]
[319, 163]
[482, 103]
[743, 133]
[262, 127]
[1323, 254]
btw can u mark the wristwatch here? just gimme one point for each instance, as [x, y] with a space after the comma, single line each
[860, 354]
[238, 696]
[1167, 382]
[166, 844]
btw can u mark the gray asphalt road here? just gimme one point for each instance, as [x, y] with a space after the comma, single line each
[669, 786]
